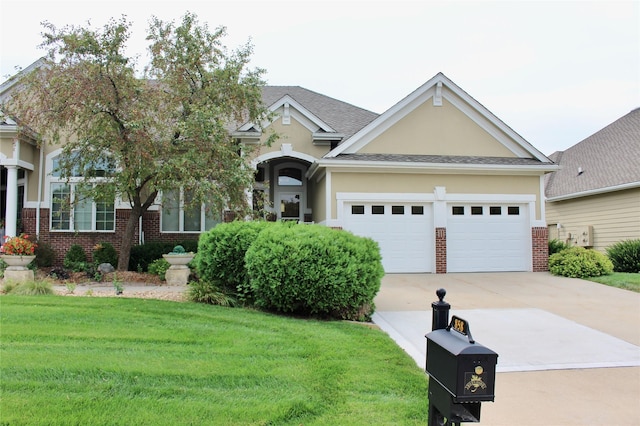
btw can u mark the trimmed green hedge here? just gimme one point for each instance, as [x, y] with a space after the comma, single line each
[578, 262]
[221, 254]
[314, 270]
[625, 256]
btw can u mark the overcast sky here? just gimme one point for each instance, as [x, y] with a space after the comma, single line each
[555, 72]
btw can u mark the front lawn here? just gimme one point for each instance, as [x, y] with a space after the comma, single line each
[624, 280]
[97, 361]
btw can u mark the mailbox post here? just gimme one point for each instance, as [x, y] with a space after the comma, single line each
[461, 371]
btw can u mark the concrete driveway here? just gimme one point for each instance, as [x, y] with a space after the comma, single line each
[569, 349]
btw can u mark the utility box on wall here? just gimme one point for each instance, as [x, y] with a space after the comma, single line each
[584, 236]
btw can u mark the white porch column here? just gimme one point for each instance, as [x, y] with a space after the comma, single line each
[11, 215]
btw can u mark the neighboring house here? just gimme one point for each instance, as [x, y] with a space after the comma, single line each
[437, 180]
[594, 199]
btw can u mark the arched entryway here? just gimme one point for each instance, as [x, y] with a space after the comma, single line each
[281, 189]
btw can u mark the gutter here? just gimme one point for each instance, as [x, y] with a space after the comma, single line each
[604, 190]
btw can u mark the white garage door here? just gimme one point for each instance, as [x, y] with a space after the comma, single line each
[488, 237]
[403, 231]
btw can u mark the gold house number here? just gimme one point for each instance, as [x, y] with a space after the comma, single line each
[459, 325]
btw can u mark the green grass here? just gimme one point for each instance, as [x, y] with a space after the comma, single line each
[103, 361]
[624, 280]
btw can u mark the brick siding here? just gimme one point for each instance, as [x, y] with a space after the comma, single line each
[540, 249]
[441, 250]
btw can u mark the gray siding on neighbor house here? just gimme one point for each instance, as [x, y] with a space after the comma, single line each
[615, 216]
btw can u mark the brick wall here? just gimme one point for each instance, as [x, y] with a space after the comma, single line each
[441, 250]
[62, 241]
[540, 249]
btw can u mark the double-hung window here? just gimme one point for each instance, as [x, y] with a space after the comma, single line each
[180, 215]
[72, 209]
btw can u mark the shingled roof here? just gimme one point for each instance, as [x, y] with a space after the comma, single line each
[443, 159]
[345, 118]
[605, 161]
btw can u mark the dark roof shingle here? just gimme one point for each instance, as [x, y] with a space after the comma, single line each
[342, 117]
[442, 159]
[606, 159]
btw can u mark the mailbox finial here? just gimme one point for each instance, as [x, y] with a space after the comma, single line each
[440, 314]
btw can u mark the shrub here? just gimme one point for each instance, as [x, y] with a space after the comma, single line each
[45, 255]
[208, 292]
[31, 288]
[578, 262]
[159, 267]
[221, 253]
[314, 270]
[75, 259]
[556, 246]
[105, 253]
[142, 255]
[625, 256]
[178, 250]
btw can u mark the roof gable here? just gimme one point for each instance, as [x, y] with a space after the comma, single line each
[438, 92]
[606, 161]
[328, 115]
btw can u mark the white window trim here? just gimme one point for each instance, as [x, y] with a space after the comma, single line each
[203, 217]
[72, 182]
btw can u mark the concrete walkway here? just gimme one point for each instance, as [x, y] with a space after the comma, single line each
[569, 350]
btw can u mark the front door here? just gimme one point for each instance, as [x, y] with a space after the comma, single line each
[289, 206]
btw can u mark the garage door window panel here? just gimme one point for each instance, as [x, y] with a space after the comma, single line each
[397, 209]
[457, 210]
[377, 209]
[357, 210]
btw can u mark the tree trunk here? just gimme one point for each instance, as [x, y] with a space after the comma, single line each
[127, 238]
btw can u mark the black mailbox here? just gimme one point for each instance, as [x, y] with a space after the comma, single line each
[462, 372]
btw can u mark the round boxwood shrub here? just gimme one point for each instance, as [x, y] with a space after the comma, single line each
[75, 259]
[221, 252]
[578, 262]
[625, 256]
[105, 253]
[313, 270]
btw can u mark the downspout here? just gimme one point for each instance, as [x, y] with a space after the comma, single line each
[40, 177]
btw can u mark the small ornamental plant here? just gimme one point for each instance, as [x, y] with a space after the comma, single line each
[178, 250]
[18, 246]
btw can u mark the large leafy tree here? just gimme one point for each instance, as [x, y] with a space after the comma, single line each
[165, 128]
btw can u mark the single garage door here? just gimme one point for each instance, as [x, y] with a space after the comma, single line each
[488, 237]
[403, 231]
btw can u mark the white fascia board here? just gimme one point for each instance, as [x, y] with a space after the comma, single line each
[321, 136]
[598, 191]
[485, 119]
[440, 85]
[387, 119]
[297, 108]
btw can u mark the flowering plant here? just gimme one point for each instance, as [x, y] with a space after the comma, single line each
[18, 246]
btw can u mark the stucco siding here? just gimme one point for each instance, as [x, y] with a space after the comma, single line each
[614, 217]
[426, 183]
[443, 130]
[295, 134]
[319, 192]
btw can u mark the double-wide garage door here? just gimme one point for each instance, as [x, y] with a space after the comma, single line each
[480, 237]
[403, 231]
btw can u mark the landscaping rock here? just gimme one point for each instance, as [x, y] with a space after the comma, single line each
[106, 268]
